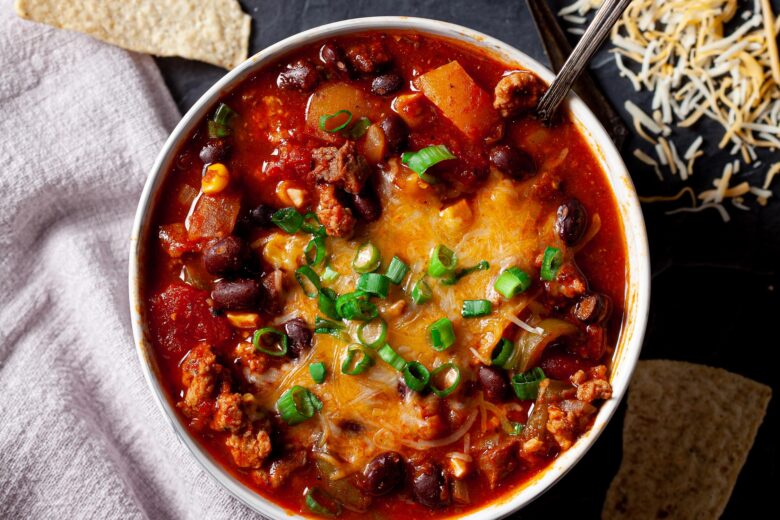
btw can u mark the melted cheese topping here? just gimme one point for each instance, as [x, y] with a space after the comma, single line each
[503, 224]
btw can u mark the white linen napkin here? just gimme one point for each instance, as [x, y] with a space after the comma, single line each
[80, 435]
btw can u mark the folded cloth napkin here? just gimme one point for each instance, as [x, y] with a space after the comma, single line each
[80, 434]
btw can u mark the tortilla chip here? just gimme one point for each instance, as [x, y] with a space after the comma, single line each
[214, 31]
[687, 433]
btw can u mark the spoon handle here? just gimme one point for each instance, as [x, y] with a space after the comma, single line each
[578, 60]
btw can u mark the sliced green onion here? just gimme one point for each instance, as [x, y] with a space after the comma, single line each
[311, 224]
[502, 352]
[526, 385]
[421, 160]
[355, 306]
[363, 363]
[513, 428]
[288, 219]
[442, 334]
[373, 283]
[551, 262]
[443, 261]
[257, 341]
[327, 117]
[323, 326]
[329, 275]
[416, 376]
[315, 506]
[315, 251]
[306, 276]
[390, 357]
[444, 392]
[421, 292]
[512, 282]
[460, 273]
[217, 130]
[358, 129]
[397, 270]
[476, 308]
[317, 371]
[367, 258]
[297, 405]
[374, 341]
[327, 303]
[223, 114]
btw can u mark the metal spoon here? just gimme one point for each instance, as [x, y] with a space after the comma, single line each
[589, 43]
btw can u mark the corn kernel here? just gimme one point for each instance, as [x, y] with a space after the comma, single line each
[216, 178]
[297, 196]
[457, 217]
[290, 194]
[243, 320]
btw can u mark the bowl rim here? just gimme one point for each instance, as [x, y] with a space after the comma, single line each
[632, 221]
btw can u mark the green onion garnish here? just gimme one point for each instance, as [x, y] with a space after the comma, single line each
[223, 115]
[315, 506]
[512, 282]
[217, 130]
[327, 117]
[373, 283]
[366, 335]
[329, 275]
[502, 352]
[416, 376]
[475, 308]
[551, 262]
[442, 334]
[460, 273]
[526, 385]
[308, 280]
[288, 219]
[443, 261]
[421, 160]
[323, 326]
[315, 251]
[397, 270]
[421, 292]
[446, 367]
[311, 224]
[363, 363]
[317, 371]
[390, 357]
[297, 405]
[367, 258]
[513, 428]
[355, 306]
[257, 341]
[358, 129]
[327, 303]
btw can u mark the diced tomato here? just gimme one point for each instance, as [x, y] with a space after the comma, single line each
[180, 317]
[214, 216]
[174, 240]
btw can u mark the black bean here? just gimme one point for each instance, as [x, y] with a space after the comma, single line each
[366, 204]
[386, 84]
[494, 382]
[592, 308]
[299, 336]
[273, 291]
[571, 221]
[233, 295]
[383, 474]
[511, 162]
[226, 256]
[215, 150]
[396, 132]
[333, 57]
[300, 75]
[430, 485]
[261, 215]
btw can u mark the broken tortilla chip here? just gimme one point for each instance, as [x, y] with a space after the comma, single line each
[687, 433]
[214, 31]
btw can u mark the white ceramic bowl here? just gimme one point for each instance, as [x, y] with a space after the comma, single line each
[638, 276]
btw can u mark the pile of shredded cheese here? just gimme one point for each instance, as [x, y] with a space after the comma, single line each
[680, 51]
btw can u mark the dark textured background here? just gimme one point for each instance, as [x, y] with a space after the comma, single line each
[716, 292]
